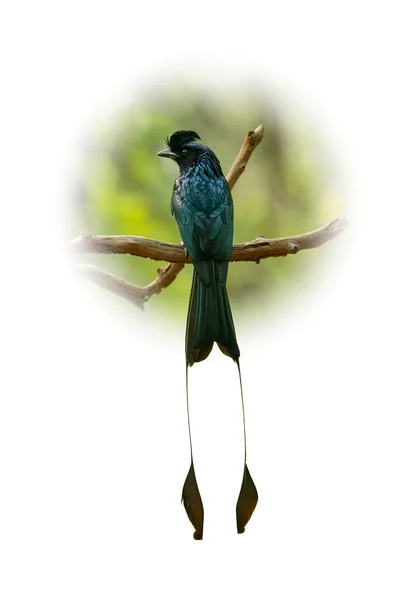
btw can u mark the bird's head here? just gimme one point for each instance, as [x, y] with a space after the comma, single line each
[182, 147]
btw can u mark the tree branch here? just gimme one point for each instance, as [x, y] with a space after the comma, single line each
[251, 141]
[134, 293]
[254, 250]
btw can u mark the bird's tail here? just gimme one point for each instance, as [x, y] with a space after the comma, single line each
[209, 318]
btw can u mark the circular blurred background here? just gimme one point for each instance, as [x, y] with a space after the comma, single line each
[123, 188]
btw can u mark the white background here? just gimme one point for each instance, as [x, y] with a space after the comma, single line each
[93, 442]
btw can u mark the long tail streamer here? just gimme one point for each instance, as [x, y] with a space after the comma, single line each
[190, 494]
[191, 498]
[248, 496]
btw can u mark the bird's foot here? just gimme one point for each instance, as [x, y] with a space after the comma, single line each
[186, 252]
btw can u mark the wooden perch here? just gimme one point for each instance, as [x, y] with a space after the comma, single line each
[251, 141]
[254, 250]
[175, 254]
[134, 293]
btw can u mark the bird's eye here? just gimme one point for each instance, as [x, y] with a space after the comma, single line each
[184, 152]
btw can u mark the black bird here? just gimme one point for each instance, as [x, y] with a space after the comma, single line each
[203, 208]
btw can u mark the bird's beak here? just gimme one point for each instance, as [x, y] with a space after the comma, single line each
[167, 154]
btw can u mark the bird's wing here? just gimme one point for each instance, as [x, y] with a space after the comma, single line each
[205, 222]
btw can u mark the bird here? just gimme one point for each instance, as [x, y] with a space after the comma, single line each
[203, 208]
[202, 205]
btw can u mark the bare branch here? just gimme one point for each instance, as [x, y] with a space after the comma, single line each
[254, 250]
[251, 141]
[262, 248]
[165, 276]
[134, 293]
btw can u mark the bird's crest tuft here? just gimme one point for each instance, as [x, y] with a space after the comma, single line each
[180, 138]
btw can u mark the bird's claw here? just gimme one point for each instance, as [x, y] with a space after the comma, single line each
[186, 252]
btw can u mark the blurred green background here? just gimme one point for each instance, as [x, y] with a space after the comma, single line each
[124, 188]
